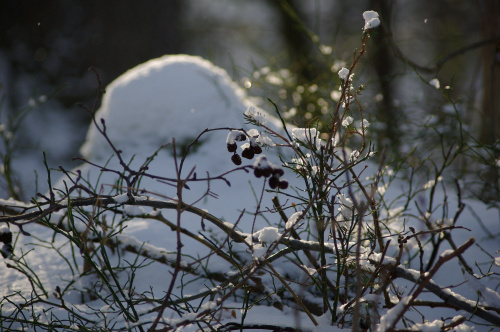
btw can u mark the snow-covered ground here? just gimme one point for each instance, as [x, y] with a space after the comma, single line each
[179, 97]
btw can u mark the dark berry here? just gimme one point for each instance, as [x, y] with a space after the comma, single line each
[283, 184]
[258, 172]
[256, 149]
[273, 182]
[278, 172]
[231, 147]
[7, 250]
[247, 153]
[267, 171]
[6, 237]
[236, 159]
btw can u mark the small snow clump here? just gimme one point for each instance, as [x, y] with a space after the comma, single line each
[431, 183]
[304, 134]
[268, 235]
[371, 20]
[259, 252]
[343, 73]
[365, 124]
[255, 115]
[133, 210]
[354, 155]
[435, 83]
[347, 121]
[121, 198]
[308, 135]
[293, 219]
[235, 136]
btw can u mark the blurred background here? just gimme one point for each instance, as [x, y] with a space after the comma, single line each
[285, 50]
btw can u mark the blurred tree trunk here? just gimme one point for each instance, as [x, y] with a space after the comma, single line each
[383, 61]
[490, 117]
[490, 131]
[298, 44]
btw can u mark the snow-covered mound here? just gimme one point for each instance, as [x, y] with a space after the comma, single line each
[175, 96]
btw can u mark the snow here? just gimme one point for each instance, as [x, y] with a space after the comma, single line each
[347, 121]
[435, 83]
[371, 20]
[186, 90]
[4, 230]
[121, 198]
[387, 320]
[304, 134]
[308, 136]
[489, 296]
[294, 218]
[268, 235]
[12, 203]
[343, 73]
[261, 162]
[256, 115]
[131, 210]
[431, 183]
[234, 136]
[364, 124]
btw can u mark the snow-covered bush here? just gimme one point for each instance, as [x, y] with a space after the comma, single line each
[194, 209]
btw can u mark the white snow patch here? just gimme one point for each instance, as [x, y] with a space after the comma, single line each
[387, 320]
[184, 90]
[371, 20]
[429, 184]
[489, 296]
[259, 252]
[261, 162]
[4, 230]
[268, 235]
[293, 219]
[121, 198]
[343, 73]
[253, 113]
[435, 83]
[133, 210]
[347, 121]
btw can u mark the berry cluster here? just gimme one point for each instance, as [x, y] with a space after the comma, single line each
[249, 149]
[261, 167]
[264, 168]
[233, 137]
